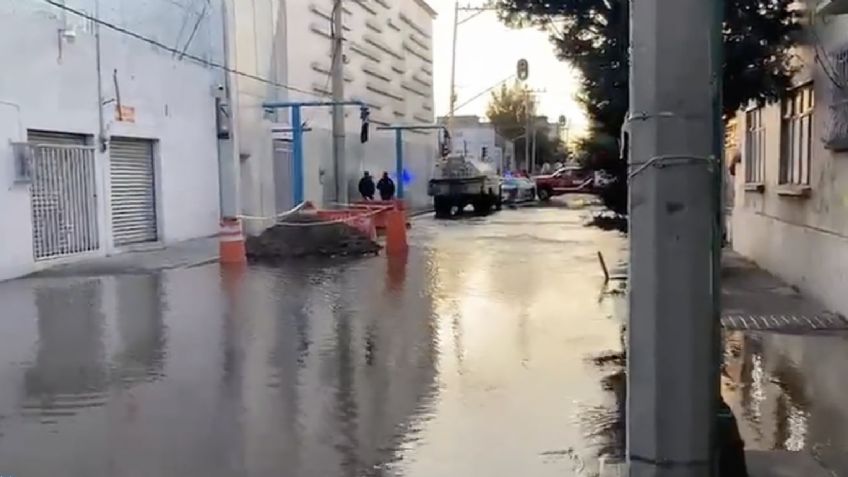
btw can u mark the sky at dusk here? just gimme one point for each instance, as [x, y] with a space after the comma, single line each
[487, 52]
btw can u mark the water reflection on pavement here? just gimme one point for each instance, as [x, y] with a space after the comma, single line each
[788, 391]
[470, 356]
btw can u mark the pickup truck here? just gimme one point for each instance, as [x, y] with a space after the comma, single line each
[566, 180]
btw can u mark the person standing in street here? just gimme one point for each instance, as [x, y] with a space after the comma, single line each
[386, 186]
[366, 186]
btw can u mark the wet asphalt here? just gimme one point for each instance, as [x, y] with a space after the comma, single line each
[476, 354]
[788, 392]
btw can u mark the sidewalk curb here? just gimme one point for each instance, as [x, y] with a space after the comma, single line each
[415, 215]
[198, 263]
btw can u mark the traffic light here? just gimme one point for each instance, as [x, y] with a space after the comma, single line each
[364, 114]
[522, 69]
[445, 146]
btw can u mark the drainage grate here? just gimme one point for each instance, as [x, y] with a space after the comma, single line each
[823, 321]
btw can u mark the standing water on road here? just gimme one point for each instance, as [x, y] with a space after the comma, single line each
[470, 356]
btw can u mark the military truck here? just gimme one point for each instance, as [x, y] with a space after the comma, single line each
[460, 180]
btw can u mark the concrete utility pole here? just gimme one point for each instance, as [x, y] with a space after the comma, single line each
[527, 132]
[672, 370]
[456, 23]
[339, 164]
[227, 107]
[452, 109]
[533, 154]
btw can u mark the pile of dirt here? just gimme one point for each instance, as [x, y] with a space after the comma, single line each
[609, 222]
[294, 238]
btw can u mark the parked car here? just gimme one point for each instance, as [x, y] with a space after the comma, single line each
[569, 179]
[518, 189]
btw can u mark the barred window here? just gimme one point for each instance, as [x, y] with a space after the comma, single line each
[755, 147]
[796, 131]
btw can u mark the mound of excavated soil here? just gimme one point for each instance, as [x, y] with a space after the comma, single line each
[294, 238]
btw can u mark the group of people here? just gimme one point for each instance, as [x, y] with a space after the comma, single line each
[385, 185]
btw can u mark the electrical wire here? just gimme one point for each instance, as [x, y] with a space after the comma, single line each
[829, 69]
[333, 48]
[481, 93]
[186, 16]
[175, 51]
[200, 18]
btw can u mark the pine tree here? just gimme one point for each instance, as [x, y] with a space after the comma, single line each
[593, 36]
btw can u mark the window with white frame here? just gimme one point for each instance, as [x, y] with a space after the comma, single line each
[796, 132]
[755, 146]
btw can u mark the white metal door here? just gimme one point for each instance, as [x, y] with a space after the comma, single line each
[133, 191]
[62, 193]
[284, 198]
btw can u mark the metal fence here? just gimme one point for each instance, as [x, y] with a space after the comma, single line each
[64, 202]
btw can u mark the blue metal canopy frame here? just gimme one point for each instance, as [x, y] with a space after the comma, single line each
[297, 130]
[399, 129]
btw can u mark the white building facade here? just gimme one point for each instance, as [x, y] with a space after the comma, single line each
[105, 144]
[479, 139]
[388, 65]
[790, 211]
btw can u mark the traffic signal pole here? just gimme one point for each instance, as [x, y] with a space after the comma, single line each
[399, 129]
[672, 375]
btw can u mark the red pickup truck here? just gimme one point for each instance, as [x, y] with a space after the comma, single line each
[566, 180]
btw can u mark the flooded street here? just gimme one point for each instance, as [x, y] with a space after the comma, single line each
[473, 355]
[788, 392]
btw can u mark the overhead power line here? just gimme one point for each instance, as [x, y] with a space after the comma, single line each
[197, 23]
[175, 51]
[481, 93]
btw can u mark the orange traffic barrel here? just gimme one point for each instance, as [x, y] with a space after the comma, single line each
[231, 244]
[396, 243]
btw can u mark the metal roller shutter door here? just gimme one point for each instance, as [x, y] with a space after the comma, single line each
[133, 191]
[57, 138]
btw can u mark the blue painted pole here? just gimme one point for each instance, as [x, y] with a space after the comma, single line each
[297, 152]
[399, 161]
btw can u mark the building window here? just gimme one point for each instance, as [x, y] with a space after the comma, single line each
[755, 147]
[796, 132]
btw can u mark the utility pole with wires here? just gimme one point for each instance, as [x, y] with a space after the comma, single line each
[339, 163]
[522, 72]
[452, 109]
[527, 129]
[456, 22]
[225, 107]
[672, 357]
[530, 128]
[533, 153]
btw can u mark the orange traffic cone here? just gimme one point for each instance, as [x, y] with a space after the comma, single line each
[231, 245]
[396, 232]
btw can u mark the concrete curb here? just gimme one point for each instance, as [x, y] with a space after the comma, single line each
[419, 213]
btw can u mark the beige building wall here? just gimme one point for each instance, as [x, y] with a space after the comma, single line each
[800, 231]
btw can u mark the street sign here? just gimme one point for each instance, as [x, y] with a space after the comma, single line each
[125, 114]
[522, 70]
